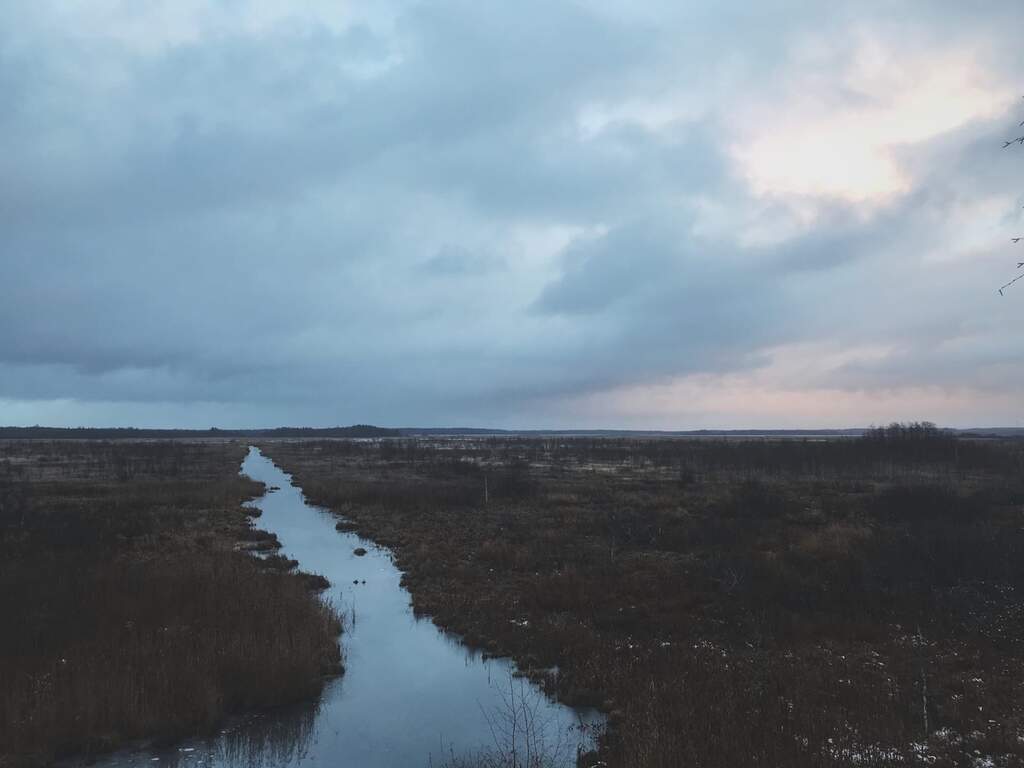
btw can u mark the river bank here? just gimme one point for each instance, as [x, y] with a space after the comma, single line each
[793, 603]
[410, 696]
[133, 609]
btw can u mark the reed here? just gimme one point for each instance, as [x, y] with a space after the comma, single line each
[800, 602]
[130, 611]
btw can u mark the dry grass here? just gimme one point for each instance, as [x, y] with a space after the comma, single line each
[797, 603]
[131, 611]
[837, 540]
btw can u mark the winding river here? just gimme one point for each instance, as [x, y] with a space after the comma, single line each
[412, 695]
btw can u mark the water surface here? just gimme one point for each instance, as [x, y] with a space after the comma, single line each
[411, 694]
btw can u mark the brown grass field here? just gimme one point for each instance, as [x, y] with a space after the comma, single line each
[130, 606]
[851, 602]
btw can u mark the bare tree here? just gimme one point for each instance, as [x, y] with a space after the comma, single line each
[1019, 141]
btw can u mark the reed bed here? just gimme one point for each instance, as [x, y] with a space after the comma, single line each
[772, 602]
[130, 611]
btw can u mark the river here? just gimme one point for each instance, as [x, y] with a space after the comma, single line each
[412, 695]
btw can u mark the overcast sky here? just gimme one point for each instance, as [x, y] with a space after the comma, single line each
[532, 214]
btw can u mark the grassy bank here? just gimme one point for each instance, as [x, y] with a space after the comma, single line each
[131, 610]
[797, 603]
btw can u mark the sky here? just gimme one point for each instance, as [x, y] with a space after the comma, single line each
[613, 213]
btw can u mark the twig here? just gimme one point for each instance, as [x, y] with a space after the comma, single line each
[1018, 277]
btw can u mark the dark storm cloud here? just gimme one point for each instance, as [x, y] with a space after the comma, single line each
[452, 212]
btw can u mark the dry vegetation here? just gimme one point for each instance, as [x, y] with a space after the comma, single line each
[131, 606]
[727, 603]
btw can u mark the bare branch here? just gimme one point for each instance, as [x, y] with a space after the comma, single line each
[1018, 277]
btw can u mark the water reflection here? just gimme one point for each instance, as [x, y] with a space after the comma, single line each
[282, 738]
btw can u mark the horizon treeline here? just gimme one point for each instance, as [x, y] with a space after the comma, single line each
[133, 433]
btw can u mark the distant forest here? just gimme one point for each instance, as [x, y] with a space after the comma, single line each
[130, 433]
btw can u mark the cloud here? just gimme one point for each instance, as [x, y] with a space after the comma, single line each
[415, 213]
[836, 137]
[452, 260]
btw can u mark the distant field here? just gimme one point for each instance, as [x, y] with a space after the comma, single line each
[796, 602]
